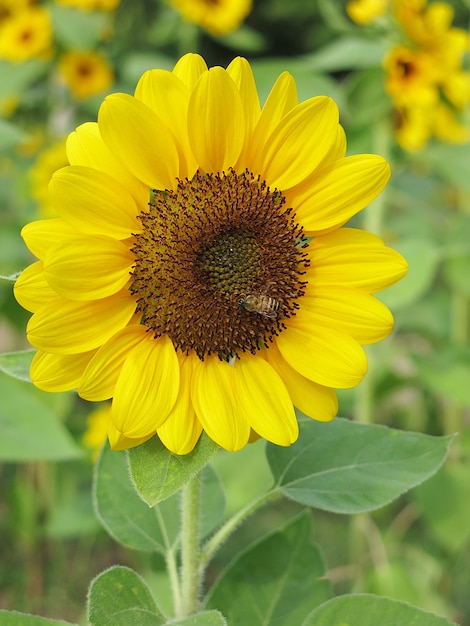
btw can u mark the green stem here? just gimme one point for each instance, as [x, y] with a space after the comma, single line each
[231, 524]
[374, 214]
[171, 565]
[190, 548]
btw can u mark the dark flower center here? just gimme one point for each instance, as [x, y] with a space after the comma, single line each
[219, 264]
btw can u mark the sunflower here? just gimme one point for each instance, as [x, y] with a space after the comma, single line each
[26, 34]
[217, 17]
[199, 274]
[85, 73]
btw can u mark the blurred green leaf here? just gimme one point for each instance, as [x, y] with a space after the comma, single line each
[368, 610]
[158, 473]
[447, 372]
[13, 618]
[366, 99]
[244, 40]
[207, 618]
[77, 29]
[348, 467]
[10, 135]
[444, 502]
[31, 431]
[450, 161]
[276, 581]
[17, 364]
[17, 76]
[348, 53]
[124, 515]
[12, 278]
[212, 500]
[120, 597]
[423, 257]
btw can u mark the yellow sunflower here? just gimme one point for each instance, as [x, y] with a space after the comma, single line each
[48, 161]
[218, 17]
[26, 34]
[90, 5]
[85, 73]
[366, 11]
[199, 274]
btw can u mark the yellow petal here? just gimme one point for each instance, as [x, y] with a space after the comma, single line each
[189, 68]
[216, 405]
[330, 197]
[181, 430]
[32, 289]
[137, 136]
[168, 97]
[264, 400]
[100, 377]
[324, 355]
[88, 268]
[39, 236]
[299, 143]
[242, 75]
[118, 441]
[216, 121]
[68, 327]
[58, 372]
[354, 258]
[350, 311]
[85, 146]
[282, 98]
[93, 202]
[312, 399]
[147, 388]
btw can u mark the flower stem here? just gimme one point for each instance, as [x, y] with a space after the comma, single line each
[190, 549]
[231, 524]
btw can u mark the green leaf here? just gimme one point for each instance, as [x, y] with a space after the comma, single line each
[277, 581]
[129, 520]
[444, 502]
[17, 364]
[347, 467]
[17, 76]
[10, 135]
[158, 473]
[423, 257]
[124, 515]
[12, 278]
[77, 29]
[207, 618]
[447, 372]
[450, 161]
[120, 597]
[348, 53]
[368, 610]
[13, 618]
[30, 429]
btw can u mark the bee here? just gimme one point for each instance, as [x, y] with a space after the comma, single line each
[259, 303]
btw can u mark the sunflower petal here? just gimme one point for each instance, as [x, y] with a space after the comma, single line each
[264, 400]
[40, 235]
[118, 441]
[216, 121]
[214, 400]
[100, 376]
[189, 68]
[147, 388]
[181, 430]
[314, 400]
[74, 191]
[88, 268]
[58, 372]
[88, 324]
[138, 137]
[324, 355]
[32, 289]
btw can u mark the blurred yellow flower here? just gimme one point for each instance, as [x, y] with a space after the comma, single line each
[217, 17]
[366, 11]
[236, 293]
[26, 34]
[90, 5]
[49, 161]
[85, 73]
[97, 429]
[410, 77]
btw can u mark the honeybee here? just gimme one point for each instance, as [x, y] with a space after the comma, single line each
[259, 303]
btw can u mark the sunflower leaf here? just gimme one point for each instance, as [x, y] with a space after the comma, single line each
[14, 618]
[119, 596]
[158, 473]
[347, 467]
[277, 580]
[207, 618]
[17, 364]
[369, 610]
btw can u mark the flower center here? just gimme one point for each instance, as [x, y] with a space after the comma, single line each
[219, 264]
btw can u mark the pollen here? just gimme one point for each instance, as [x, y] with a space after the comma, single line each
[215, 240]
